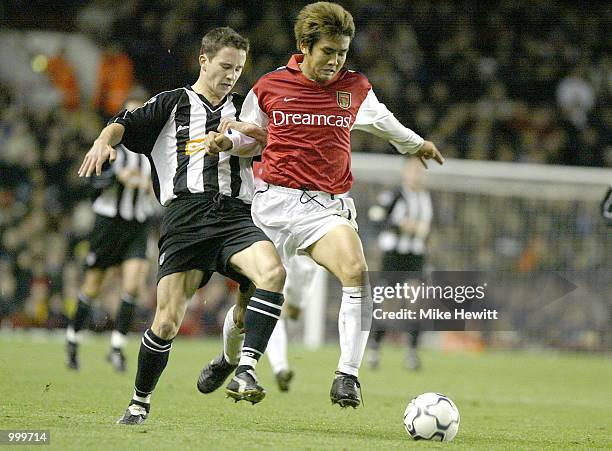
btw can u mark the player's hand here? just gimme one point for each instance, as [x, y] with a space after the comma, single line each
[429, 151]
[99, 153]
[216, 142]
[227, 123]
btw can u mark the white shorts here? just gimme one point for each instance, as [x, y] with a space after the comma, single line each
[295, 219]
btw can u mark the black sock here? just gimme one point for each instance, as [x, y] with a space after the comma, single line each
[378, 336]
[125, 314]
[83, 313]
[262, 313]
[414, 338]
[152, 360]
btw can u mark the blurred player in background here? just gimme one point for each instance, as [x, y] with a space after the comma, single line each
[405, 215]
[207, 225]
[309, 108]
[119, 237]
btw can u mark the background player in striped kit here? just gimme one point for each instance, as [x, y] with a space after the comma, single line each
[207, 224]
[309, 108]
[119, 237]
[406, 216]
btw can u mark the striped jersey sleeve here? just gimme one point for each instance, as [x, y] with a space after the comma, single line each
[144, 124]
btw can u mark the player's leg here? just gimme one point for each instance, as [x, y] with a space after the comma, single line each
[378, 334]
[216, 372]
[173, 294]
[260, 264]
[90, 289]
[412, 263]
[107, 244]
[390, 262]
[412, 362]
[277, 346]
[340, 252]
[134, 273]
[277, 356]
[298, 286]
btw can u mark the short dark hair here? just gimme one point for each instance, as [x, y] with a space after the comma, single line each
[220, 37]
[322, 19]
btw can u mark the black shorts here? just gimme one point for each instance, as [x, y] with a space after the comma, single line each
[114, 240]
[201, 231]
[394, 261]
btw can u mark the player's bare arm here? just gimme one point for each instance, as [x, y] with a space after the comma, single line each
[252, 130]
[247, 146]
[102, 150]
[429, 151]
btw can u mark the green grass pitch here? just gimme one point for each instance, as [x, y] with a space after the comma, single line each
[507, 400]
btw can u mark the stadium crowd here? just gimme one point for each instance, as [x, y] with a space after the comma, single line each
[510, 81]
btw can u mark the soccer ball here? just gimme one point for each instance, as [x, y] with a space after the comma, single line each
[432, 416]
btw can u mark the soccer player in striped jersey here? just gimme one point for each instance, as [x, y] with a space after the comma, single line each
[119, 237]
[309, 108]
[405, 214]
[207, 224]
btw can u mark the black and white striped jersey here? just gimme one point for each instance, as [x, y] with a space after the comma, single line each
[395, 207]
[170, 129]
[116, 199]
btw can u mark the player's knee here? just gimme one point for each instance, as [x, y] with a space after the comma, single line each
[92, 283]
[351, 272]
[167, 329]
[273, 278]
[166, 324]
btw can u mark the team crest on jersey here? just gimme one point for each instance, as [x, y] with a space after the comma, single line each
[344, 99]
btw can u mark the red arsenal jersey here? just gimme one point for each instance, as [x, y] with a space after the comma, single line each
[309, 126]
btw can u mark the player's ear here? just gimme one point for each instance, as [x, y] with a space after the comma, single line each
[303, 48]
[202, 60]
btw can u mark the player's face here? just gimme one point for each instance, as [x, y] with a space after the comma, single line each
[222, 71]
[326, 58]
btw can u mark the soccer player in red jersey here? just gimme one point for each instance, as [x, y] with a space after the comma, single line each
[309, 108]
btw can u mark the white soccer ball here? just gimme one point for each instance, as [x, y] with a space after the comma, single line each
[432, 416]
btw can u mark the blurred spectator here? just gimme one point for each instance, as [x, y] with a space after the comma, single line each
[576, 97]
[115, 79]
[63, 77]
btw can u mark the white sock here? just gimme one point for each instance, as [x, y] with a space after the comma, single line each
[232, 338]
[354, 322]
[277, 348]
[146, 400]
[71, 335]
[118, 340]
